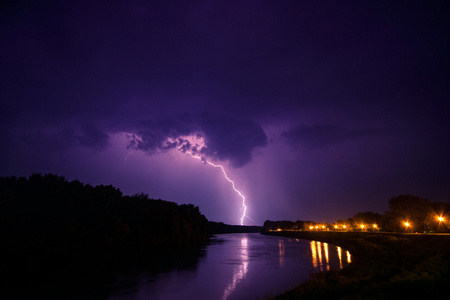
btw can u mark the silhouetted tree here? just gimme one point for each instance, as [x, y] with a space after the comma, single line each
[438, 219]
[412, 209]
[390, 222]
[367, 219]
[49, 211]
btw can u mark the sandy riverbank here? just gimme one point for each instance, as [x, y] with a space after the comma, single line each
[384, 266]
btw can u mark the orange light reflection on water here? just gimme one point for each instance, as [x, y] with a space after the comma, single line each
[340, 256]
[325, 248]
[322, 256]
[314, 253]
[319, 252]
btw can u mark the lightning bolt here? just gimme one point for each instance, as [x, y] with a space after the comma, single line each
[244, 207]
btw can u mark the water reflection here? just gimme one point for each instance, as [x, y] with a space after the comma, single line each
[281, 251]
[325, 247]
[322, 255]
[319, 252]
[340, 256]
[240, 271]
[233, 267]
[314, 254]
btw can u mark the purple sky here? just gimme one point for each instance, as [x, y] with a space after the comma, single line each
[317, 109]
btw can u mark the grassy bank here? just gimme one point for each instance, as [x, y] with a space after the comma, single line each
[384, 266]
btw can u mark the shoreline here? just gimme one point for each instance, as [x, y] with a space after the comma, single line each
[384, 265]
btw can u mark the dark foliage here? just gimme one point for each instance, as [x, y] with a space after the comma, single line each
[412, 209]
[48, 211]
[68, 237]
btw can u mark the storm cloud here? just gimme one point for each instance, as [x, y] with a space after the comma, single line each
[225, 138]
[308, 104]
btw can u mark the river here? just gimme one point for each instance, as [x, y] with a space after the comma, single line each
[237, 266]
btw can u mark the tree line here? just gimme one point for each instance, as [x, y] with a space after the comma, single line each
[407, 213]
[50, 211]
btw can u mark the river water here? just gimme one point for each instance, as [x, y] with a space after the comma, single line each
[239, 266]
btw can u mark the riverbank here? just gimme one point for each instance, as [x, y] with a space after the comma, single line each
[384, 266]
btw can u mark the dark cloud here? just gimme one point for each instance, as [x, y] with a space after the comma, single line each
[228, 138]
[225, 137]
[47, 140]
[318, 136]
[93, 137]
[50, 140]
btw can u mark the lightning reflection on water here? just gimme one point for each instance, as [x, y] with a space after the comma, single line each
[240, 272]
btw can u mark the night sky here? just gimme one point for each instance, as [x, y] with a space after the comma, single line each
[317, 109]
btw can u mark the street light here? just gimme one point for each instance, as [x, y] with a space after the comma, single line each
[441, 219]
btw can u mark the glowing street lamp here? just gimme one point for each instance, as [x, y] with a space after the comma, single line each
[362, 227]
[335, 227]
[311, 227]
[344, 227]
[375, 227]
[441, 223]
